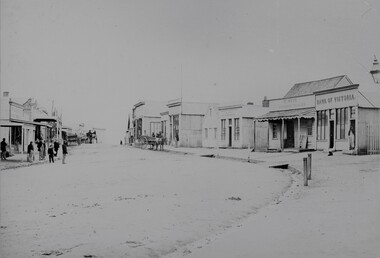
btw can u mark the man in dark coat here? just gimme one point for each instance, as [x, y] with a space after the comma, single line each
[51, 153]
[3, 149]
[56, 147]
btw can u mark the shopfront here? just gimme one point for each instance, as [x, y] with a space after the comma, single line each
[291, 123]
[347, 120]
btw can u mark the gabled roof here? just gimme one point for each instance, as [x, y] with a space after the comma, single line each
[306, 88]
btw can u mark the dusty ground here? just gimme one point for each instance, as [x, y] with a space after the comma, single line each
[117, 201]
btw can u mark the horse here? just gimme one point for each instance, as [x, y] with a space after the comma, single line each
[160, 141]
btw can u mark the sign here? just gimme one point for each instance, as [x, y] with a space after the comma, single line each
[336, 99]
[292, 103]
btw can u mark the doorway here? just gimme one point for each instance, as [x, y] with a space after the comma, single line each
[230, 136]
[289, 142]
[331, 145]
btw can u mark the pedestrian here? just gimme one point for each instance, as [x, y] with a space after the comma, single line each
[51, 153]
[40, 149]
[30, 152]
[64, 152]
[44, 150]
[56, 147]
[3, 150]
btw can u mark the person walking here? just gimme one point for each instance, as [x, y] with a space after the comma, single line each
[51, 153]
[64, 152]
[30, 152]
[40, 149]
[3, 150]
[43, 150]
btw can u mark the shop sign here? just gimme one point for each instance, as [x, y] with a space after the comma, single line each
[292, 103]
[336, 100]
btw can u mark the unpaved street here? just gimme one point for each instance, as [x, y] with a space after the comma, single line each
[117, 201]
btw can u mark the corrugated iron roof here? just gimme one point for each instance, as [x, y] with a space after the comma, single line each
[294, 113]
[306, 88]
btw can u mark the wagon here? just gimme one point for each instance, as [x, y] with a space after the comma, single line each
[146, 141]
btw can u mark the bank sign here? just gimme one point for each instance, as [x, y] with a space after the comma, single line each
[347, 98]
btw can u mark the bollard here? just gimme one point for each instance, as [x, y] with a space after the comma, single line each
[309, 166]
[305, 172]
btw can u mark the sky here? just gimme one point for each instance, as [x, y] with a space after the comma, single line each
[97, 58]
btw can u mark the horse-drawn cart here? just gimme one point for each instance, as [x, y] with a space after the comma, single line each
[145, 141]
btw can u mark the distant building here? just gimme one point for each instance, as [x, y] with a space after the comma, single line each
[231, 125]
[146, 118]
[186, 123]
[100, 134]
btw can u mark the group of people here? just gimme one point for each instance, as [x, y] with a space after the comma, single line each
[52, 151]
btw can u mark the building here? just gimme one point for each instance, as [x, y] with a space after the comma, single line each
[100, 134]
[146, 118]
[22, 122]
[348, 120]
[231, 125]
[186, 123]
[292, 119]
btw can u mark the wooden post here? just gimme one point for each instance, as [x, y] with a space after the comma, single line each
[305, 172]
[282, 134]
[299, 133]
[309, 166]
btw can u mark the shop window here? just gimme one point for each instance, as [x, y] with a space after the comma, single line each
[341, 121]
[321, 124]
[309, 127]
[223, 131]
[236, 129]
[274, 131]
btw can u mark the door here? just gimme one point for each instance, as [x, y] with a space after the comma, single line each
[229, 136]
[289, 142]
[331, 145]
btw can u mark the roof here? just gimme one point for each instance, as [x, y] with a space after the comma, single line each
[306, 88]
[369, 99]
[289, 114]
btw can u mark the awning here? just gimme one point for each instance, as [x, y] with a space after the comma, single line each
[288, 114]
[9, 124]
[45, 119]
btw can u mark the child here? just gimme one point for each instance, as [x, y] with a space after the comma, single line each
[51, 153]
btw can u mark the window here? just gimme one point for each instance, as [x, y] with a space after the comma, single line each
[223, 131]
[215, 133]
[236, 129]
[206, 133]
[341, 121]
[274, 131]
[309, 127]
[321, 124]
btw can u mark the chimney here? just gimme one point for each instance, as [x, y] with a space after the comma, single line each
[265, 102]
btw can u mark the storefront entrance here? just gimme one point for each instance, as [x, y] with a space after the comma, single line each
[289, 141]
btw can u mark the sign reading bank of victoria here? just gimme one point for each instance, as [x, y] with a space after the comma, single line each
[338, 99]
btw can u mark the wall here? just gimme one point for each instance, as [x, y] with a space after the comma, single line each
[261, 136]
[190, 131]
[246, 133]
[211, 122]
[368, 124]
